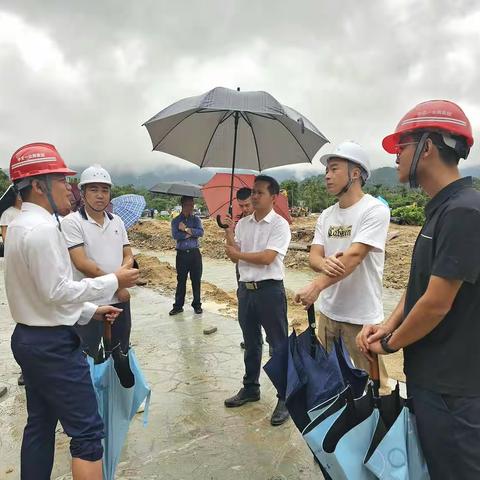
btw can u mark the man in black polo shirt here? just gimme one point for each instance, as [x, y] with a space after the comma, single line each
[437, 321]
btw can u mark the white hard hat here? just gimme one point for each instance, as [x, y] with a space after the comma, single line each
[351, 151]
[95, 174]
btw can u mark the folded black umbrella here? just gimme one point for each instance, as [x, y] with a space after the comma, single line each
[306, 375]
[121, 361]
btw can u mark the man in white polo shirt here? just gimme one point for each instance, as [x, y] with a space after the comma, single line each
[258, 245]
[348, 252]
[98, 244]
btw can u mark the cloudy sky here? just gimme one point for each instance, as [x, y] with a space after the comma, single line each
[85, 75]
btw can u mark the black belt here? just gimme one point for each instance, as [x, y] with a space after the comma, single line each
[261, 284]
[188, 250]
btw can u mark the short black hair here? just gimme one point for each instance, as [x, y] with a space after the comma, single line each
[273, 186]
[244, 193]
[185, 198]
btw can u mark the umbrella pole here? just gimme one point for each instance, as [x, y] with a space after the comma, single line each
[230, 204]
[375, 375]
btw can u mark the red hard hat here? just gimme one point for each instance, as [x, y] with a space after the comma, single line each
[437, 115]
[37, 159]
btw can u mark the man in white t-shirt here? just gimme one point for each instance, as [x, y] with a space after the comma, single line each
[258, 245]
[348, 251]
[98, 244]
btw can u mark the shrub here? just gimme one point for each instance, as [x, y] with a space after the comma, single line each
[409, 215]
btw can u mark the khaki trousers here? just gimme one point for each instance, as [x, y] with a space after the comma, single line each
[329, 329]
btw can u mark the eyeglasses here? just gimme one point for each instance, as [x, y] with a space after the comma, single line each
[399, 147]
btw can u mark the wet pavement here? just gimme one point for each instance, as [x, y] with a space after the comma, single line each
[190, 433]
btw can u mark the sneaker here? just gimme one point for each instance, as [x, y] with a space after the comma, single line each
[280, 414]
[198, 310]
[242, 397]
[175, 310]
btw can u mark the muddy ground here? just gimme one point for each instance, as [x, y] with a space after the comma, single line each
[155, 235]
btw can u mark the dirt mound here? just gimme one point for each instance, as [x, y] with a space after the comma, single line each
[156, 235]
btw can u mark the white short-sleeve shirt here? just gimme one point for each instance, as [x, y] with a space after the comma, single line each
[8, 215]
[102, 243]
[270, 233]
[357, 298]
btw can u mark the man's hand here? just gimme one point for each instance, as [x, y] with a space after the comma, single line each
[123, 295]
[232, 253]
[127, 277]
[182, 227]
[231, 224]
[107, 313]
[332, 266]
[368, 338]
[308, 295]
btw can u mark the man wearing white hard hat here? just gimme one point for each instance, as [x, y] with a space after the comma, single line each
[98, 244]
[348, 252]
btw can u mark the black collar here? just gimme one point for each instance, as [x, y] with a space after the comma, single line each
[83, 213]
[445, 193]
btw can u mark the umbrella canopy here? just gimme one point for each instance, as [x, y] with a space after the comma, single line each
[201, 130]
[366, 438]
[228, 128]
[117, 406]
[180, 188]
[216, 193]
[305, 374]
[129, 208]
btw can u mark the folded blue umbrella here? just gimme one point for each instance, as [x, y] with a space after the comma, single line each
[397, 454]
[305, 374]
[117, 406]
[341, 440]
[129, 208]
[302, 374]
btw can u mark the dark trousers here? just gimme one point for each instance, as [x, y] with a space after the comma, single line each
[91, 333]
[58, 388]
[188, 262]
[449, 431]
[267, 308]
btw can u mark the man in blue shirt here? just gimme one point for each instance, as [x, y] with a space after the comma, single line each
[186, 230]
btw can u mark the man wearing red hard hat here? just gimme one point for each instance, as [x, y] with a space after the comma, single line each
[436, 321]
[46, 302]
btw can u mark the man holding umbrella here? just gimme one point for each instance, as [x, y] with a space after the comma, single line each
[98, 244]
[45, 302]
[436, 321]
[258, 246]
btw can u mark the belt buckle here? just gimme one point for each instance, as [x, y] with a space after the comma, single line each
[251, 285]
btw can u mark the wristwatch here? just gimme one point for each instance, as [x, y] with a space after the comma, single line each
[384, 343]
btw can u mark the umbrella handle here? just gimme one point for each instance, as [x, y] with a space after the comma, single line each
[107, 335]
[375, 374]
[219, 222]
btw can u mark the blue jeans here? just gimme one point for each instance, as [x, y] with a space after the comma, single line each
[449, 431]
[58, 388]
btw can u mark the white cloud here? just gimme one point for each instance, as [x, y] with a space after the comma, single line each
[37, 50]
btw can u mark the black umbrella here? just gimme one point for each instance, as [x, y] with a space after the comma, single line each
[305, 374]
[121, 361]
[225, 128]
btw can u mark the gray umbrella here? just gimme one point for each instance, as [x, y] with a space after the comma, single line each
[233, 129]
[178, 188]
